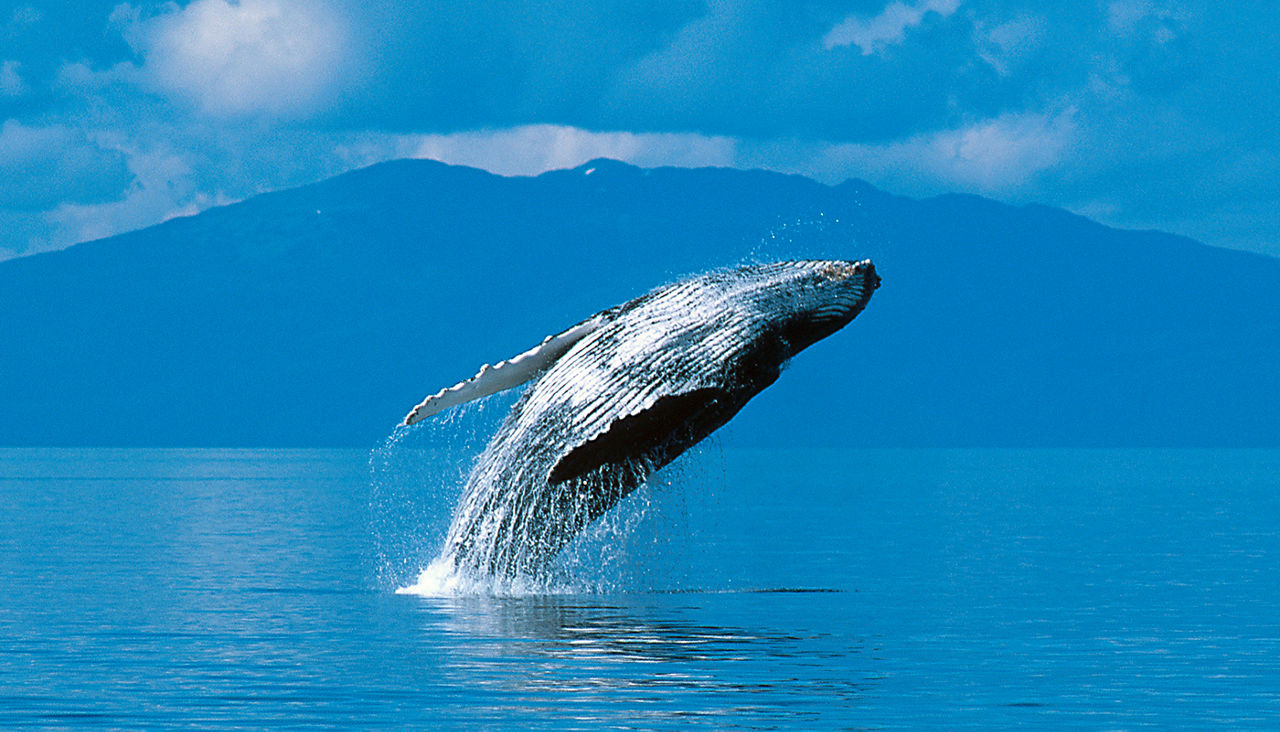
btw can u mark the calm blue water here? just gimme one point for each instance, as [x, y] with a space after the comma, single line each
[883, 589]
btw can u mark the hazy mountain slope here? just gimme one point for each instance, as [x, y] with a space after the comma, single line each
[317, 316]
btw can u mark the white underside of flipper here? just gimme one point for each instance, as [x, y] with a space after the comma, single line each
[507, 374]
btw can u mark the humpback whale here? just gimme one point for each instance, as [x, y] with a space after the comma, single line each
[623, 393]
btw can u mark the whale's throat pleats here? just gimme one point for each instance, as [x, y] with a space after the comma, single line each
[656, 435]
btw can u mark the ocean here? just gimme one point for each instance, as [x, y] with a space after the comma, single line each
[766, 588]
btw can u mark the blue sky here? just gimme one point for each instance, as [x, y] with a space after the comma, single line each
[1138, 113]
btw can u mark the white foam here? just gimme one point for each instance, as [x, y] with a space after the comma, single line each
[442, 579]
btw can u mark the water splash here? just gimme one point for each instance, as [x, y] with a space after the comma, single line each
[418, 478]
[642, 543]
[817, 236]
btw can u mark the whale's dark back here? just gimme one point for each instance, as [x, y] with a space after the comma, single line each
[664, 371]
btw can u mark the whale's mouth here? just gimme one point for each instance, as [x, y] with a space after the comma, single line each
[873, 278]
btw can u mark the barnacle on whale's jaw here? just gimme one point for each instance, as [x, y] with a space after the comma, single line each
[839, 270]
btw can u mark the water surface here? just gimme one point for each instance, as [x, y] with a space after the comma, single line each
[862, 588]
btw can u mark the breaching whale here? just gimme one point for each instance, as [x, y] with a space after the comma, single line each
[626, 391]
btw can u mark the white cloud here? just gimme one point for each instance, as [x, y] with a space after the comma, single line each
[275, 57]
[51, 163]
[534, 149]
[163, 188]
[886, 29]
[999, 156]
[11, 84]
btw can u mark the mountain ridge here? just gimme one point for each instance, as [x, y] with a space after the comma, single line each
[317, 315]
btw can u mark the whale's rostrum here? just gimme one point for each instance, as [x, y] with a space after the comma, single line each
[626, 391]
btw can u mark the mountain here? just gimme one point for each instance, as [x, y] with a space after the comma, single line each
[319, 315]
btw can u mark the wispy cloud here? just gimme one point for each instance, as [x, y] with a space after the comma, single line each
[1124, 15]
[992, 156]
[1007, 44]
[25, 15]
[163, 188]
[888, 28]
[998, 156]
[11, 84]
[45, 165]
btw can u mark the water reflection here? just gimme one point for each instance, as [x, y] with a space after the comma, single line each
[599, 658]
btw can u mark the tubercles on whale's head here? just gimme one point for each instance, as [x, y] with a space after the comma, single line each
[821, 297]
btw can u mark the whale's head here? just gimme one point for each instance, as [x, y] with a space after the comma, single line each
[806, 301]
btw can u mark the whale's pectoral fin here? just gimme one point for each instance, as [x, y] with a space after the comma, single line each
[508, 374]
[658, 434]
